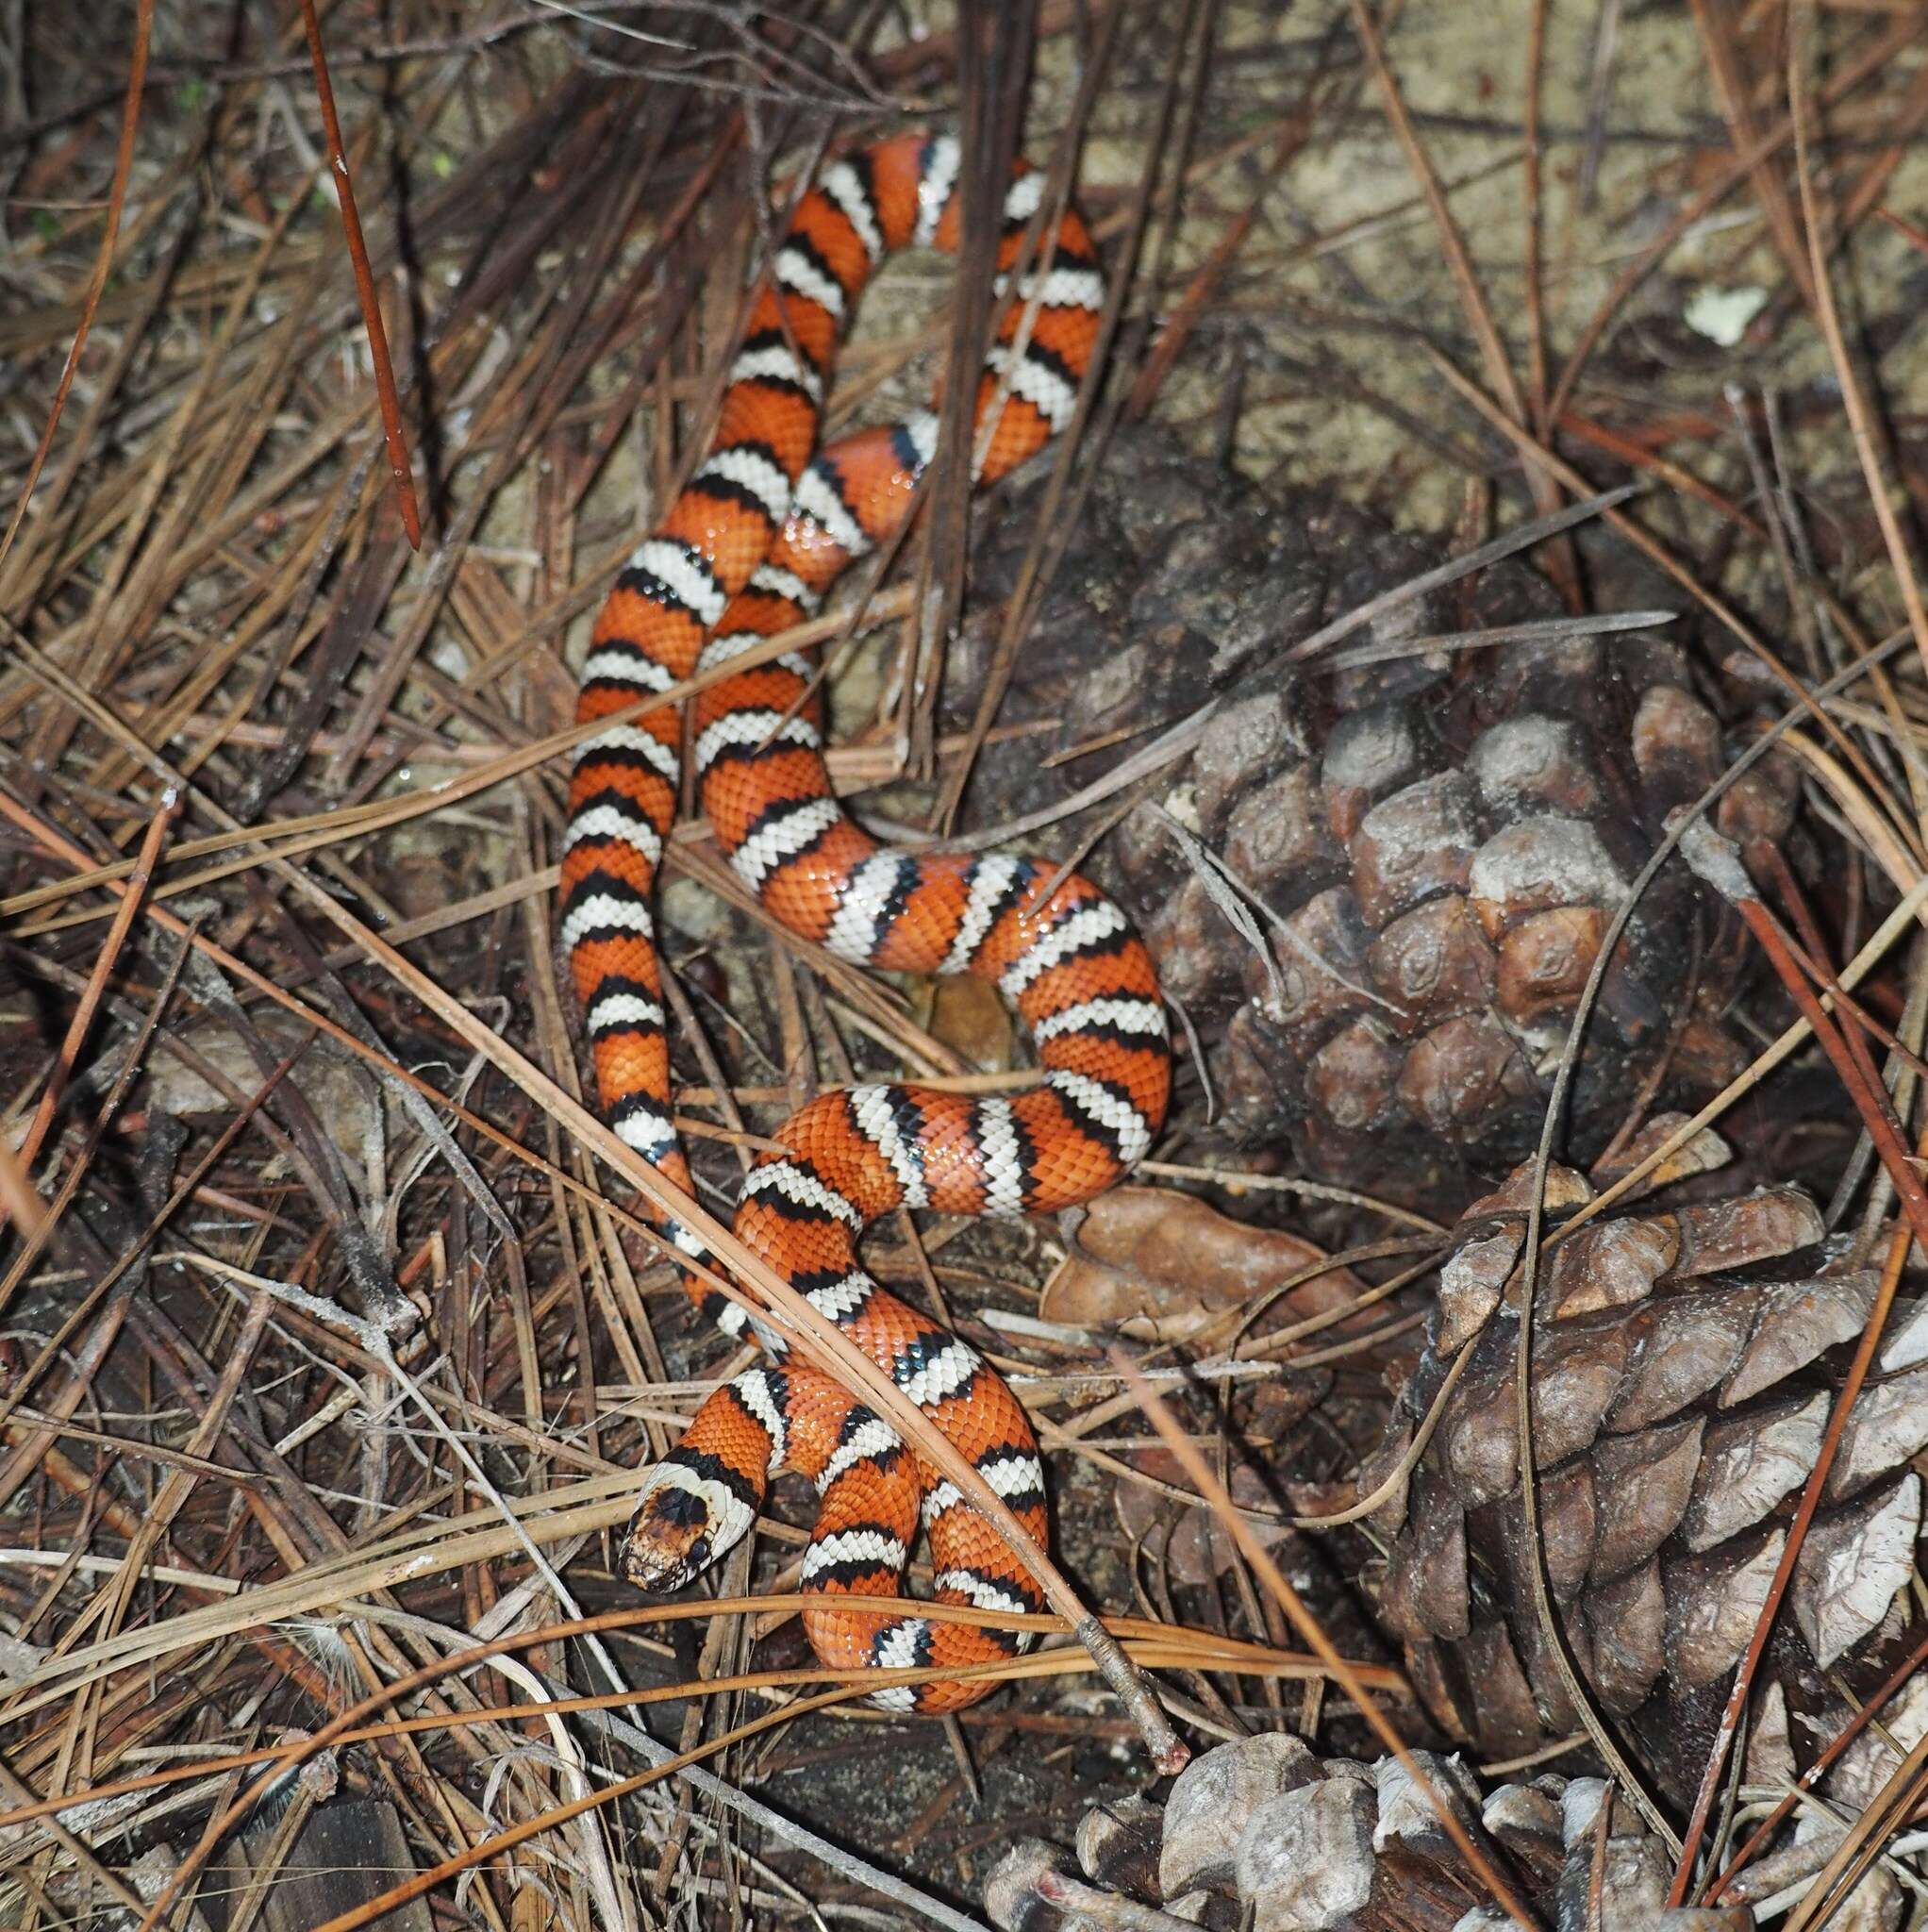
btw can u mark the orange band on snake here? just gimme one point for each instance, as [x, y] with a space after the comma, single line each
[748, 549]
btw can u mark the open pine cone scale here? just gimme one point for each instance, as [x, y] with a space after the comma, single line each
[1680, 1398]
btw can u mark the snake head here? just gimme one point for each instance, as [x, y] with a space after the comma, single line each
[689, 1513]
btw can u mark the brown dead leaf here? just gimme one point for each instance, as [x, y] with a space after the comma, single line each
[1162, 1266]
[970, 1017]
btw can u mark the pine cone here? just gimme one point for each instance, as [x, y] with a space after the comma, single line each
[1682, 1382]
[1264, 1827]
[1433, 844]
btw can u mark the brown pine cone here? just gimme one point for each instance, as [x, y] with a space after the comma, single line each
[1432, 845]
[1263, 1833]
[1683, 1367]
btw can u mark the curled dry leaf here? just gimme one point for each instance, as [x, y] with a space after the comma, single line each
[1162, 1266]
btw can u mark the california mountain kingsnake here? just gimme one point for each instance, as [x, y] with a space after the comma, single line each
[748, 549]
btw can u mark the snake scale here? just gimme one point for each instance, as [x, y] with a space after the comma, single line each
[749, 547]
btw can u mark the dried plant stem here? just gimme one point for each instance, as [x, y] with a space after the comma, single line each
[1853, 400]
[1198, 1649]
[1473, 300]
[1872, 60]
[132, 901]
[827, 1341]
[316, 829]
[364, 286]
[1158, 1650]
[104, 262]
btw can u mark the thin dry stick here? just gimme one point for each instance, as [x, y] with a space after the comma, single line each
[1859, 1846]
[104, 262]
[1853, 400]
[1455, 568]
[422, 1882]
[1653, 548]
[364, 286]
[1195, 305]
[1041, 558]
[829, 1342]
[1311, 1632]
[1731, 90]
[1809, 1778]
[1530, 186]
[1872, 60]
[1472, 299]
[314, 829]
[1159, 1653]
[1199, 1649]
[992, 51]
[125, 912]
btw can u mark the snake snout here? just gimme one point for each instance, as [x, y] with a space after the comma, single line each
[684, 1518]
[659, 1557]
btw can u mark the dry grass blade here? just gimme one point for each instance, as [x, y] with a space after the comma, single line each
[1455, 569]
[1465, 282]
[825, 1338]
[1855, 72]
[130, 903]
[1157, 1651]
[104, 262]
[392, 432]
[1721, 611]
[1731, 86]
[1074, 440]
[1193, 1648]
[316, 831]
[1853, 399]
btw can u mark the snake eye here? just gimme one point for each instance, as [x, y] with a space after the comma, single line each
[653, 1567]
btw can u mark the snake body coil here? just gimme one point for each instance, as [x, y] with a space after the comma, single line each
[746, 550]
